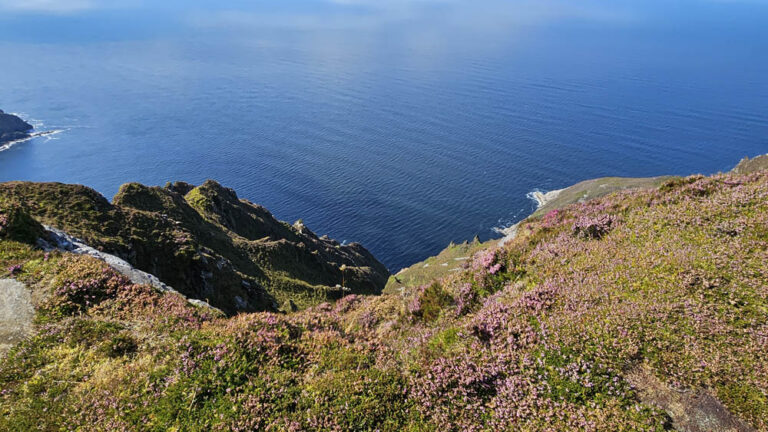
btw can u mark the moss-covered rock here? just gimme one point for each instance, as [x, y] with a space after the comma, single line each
[16, 224]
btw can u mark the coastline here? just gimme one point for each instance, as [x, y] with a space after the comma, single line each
[8, 144]
[446, 261]
[595, 188]
[544, 198]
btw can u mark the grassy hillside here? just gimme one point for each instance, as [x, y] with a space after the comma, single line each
[596, 188]
[205, 242]
[643, 310]
[452, 258]
[747, 165]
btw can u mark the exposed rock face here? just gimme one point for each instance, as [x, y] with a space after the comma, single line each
[12, 127]
[205, 242]
[16, 313]
[56, 239]
[691, 411]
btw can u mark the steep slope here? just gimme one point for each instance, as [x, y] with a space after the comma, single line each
[442, 265]
[643, 310]
[450, 258]
[205, 242]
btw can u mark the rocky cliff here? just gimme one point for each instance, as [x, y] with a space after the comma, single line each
[206, 243]
[12, 127]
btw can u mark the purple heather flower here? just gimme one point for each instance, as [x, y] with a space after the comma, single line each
[594, 227]
[15, 269]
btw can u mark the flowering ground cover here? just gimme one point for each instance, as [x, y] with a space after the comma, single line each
[589, 320]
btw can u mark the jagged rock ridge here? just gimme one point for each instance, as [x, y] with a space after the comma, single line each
[206, 243]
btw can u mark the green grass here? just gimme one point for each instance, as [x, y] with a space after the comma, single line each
[449, 260]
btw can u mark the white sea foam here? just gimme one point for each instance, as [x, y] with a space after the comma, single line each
[508, 229]
[44, 134]
[542, 198]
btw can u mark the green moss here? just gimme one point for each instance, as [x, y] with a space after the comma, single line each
[444, 342]
[448, 261]
[361, 400]
[749, 401]
[17, 225]
[198, 201]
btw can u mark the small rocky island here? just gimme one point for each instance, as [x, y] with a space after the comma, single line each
[13, 128]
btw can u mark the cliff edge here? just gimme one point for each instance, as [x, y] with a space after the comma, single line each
[205, 242]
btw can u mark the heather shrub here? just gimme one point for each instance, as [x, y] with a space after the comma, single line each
[15, 269]
[364, 399]
[368, 320]
[748, 400]
[429, 302]
[83, 283]
[578, 380]
[119, 345]
[593, 227]
[492, 269]
[466, 298]
[677, 183]
[452, 392]
[551, 219]
[490, 320]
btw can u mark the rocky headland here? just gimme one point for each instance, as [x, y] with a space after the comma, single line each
[205, 242]
[13, 128]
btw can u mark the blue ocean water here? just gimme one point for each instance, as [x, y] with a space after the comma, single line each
[401, 124]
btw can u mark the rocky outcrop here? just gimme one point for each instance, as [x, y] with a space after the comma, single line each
[16, 313]
[205, 242]
[747, 165]
[13, 128]
[53, 238]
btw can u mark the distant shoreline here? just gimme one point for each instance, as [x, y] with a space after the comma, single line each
[8, 144]
[543, 198]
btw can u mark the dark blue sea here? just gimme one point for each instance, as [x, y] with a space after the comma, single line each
[400, 124]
